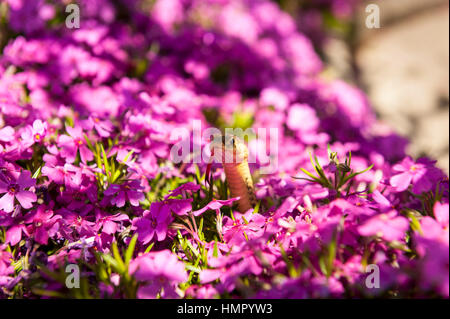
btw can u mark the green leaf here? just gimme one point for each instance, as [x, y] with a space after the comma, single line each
[48, 293]
[242, 120]
[192, 268]
[313, 164]
[128, 155]
[149, 248]
[118, 258]
[88, 142]
[113, 167]
[111, 261]
[331, 254]
[290, 266]
[306, 179]
[115, 176]
[310, 175]
[105, 162]
[198, 174]
[97, 156]
[321, 173]
[69, 121]
[414, 222]
[130, 250]
[349, 177]
[192, 248]
[258, 205]
[37, 173]
[322, 265]
[200, 230]
[215, 250]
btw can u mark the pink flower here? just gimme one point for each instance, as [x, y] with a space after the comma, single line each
[435, 266]
[153, 222]
[187, 187]
[202, 292]
[302, 118]
[214, 205]
[158, 270]
[110, 224]
[42, 223]
[6, 268]
[432, 246]
[119, 194]
[70, 144]
[68, 175]
[104, 128]
[15, 226]
[274, 97]
[245, 227]
[441, 212]
[421, 174]
[242, 262]
[434, 229]
[17, 189]
[388, 226]
[34, 134]
[7, 134]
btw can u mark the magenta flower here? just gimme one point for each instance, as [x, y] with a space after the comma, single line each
[119, 194]
[110, 224]
[103, 128]
[432, 246]
[441, 212]
[7, 134]
[34, 134]
[274, 97]
[6, 268]
[42, 224]
[68, 175]
[420, 174]
[158, 270]
[15, 227]
[435, 266]
[243, 262]
[180, 207]
[153, 222]
[188, 187]
[434, 229]
[202, 292]
[73, 226]
[70, 144]
[302, 118]
[215, 204]
[244, 227]
[388, 226]
[17, 189]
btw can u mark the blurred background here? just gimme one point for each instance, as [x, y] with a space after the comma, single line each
[403, 66]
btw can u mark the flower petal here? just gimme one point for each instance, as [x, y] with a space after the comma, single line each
[26, 198]
[401, 181]
[7, 203]
[25, 179]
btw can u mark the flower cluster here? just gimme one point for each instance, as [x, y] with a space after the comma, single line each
[86, 128]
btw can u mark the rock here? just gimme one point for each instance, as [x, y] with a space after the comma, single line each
[404, 67]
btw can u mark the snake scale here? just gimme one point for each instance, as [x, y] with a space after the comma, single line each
[232, 152]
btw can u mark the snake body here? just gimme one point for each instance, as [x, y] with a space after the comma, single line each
[233, 154]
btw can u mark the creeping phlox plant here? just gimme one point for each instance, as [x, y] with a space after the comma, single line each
[87, 118]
